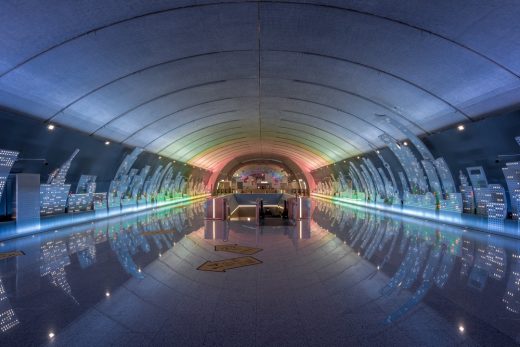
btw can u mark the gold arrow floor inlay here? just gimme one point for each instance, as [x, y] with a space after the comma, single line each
[227, 264]
[11, 254]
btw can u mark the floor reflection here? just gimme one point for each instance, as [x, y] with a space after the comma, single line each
[479, 274]
[75, 267]
[347, 276]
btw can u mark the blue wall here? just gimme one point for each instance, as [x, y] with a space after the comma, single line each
[34, 141]
[482, 143]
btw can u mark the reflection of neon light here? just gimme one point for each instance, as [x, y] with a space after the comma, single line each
[214, 208]
[46, 225]
[473, 222]
[235, 210]
[214, 232]
[301, 237]
[8, 317]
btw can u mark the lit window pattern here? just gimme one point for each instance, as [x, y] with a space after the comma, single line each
[53, 198]
[370, 184]
[119, 185]
[359, 176]
[7, 159]
[468, 201]
[54, 258]
[411, 166]
[428, 258]
[512, 175]
[511, 296]
[429, 169]
[79, 202]
[8, 318]
[477, 176]
[393, 187]
[54, 194]
[404, 183]
[497, 205]
[100, 201]
[443, 171]
[86, 184]
[60, 175]
[377, 178]
[355, 180]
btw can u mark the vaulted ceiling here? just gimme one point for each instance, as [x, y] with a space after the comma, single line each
[210, 81]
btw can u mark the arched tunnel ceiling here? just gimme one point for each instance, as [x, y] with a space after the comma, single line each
[209, 81]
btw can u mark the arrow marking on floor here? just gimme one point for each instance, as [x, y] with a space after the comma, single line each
[11, 254]
[237, 249]
[227, 264]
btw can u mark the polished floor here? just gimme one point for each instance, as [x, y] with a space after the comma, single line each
[347, 277]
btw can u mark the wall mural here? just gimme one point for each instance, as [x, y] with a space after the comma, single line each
[425, 182]
[254, 175]
[131, 187]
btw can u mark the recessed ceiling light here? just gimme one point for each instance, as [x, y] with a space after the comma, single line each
[107, 294]
[160, 157]
[50, 126]
[461, 328]
[51, 335]
[405, 143]
[460, 127]
[107, 143]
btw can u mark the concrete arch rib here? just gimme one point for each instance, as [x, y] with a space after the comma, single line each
[212, 142]
[136, 72]
[216, 137]
[155, 98]
[241, 142]
[198, 129]
[300, 141]
[101, 28]
[206, 128]
[161, 64]
[287, 130]
[171, 114]
[314, 129]
[231, 153]
[98, 30]
[221, 157]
